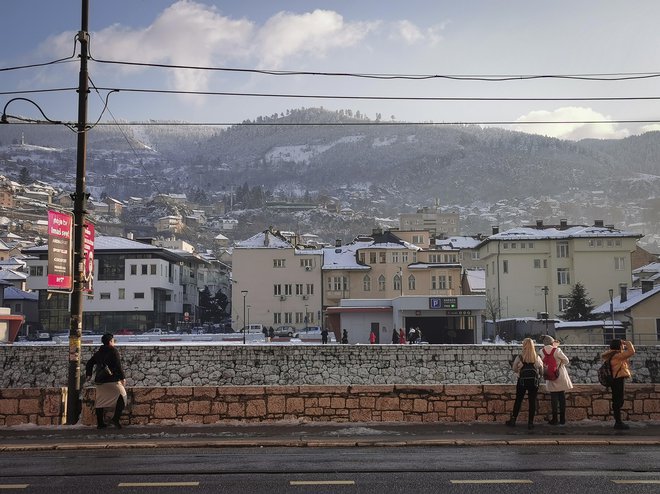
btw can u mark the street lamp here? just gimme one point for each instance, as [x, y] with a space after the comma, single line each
[244, 292]
[545, 314]
[611, 290]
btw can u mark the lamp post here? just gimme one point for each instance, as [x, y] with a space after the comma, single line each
[306, 321]
[545, 314]
[244, 293]
[611, 290]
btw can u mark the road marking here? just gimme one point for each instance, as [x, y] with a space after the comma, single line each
[14, 486]
[492, 481]
[158, 484]
[321, 482]
[630, 481]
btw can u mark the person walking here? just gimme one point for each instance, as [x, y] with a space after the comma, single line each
[402, 336]
[528, 366]
[344, 337]
[618, 354]
[372, 337]
[395, 337]
[324, 336]
[109, 380]
[556, 387]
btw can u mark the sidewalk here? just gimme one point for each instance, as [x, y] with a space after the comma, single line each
[35, 438]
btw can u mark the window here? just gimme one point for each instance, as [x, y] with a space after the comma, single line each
[299, 289]
[404, 257]
[442, 282]
[617, 242]
[418, 239]
[434, 282]
[505, 266]
[133, 269]
[537, 263]
[366, 283]
[395, 257]
[449, 285]
[288, 289]
[277, 290]
[36, 270]
[372, 258]
[505, 245]
[619, 263]
[121, 293]
[562, 302]
[434, 258]
[111, 267]
[397, 282]
[545, 263]
[530, 245]
[563, 276]
[522, 245]
[336, 283]
[277, 318]
[381, 283]
[362, 258]
[138, 295]
[288, 319]
[562, 248]
[657, 329]
[411, 283]
[310, 288]
[104, 296]
[513, 245]
[382, 257]
[305, 263]
[300, 318]
[475, 255]
[152, 268]
[279, 263]
[145, 269]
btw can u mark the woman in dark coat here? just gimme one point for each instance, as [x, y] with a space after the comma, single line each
[109, 380]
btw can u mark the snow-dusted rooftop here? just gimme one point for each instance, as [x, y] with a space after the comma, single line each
[634, 296]
[529, 233]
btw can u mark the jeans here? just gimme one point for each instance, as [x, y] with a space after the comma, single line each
[531, 391]
[617, 397]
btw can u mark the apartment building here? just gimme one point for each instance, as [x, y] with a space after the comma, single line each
[530, 268]
[275, 283]
[432, 220]
[137, 286]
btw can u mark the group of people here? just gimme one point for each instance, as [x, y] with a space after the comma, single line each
[401, 338]
[529, 368]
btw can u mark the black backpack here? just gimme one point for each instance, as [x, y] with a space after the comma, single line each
[605, 376]
[529, 375]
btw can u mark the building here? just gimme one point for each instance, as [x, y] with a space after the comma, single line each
[137, 286]
[530, 268]
[432, 220]
[275, 283]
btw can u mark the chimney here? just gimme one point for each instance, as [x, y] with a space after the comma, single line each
[599, 223]
[623, 291]
[337, 242]
[496, 230]
[539, 224]
[647, 286]
[266, 238]
[129, 235]
[376, 231]
[563, 224]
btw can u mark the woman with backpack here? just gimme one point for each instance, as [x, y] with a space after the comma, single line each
[618, 354]
[557, 380]
[528, 366]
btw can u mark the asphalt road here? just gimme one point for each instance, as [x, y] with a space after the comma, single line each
[491, 469]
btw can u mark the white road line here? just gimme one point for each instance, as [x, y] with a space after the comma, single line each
[492, 481]
[14, 486]
[321, 482]
[158, 484]
[636, 481]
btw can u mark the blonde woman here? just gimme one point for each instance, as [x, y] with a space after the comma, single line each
[528, 366]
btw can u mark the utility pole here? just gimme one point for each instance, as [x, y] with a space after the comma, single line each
[79, 213]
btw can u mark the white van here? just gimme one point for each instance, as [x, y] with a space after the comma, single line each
[254, 328]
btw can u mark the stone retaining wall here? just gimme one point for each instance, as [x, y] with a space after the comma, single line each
[390, 403]
[284, 365]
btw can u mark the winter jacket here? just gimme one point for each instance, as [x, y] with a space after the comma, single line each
[105, 355]
[563, 382]
[518, 363]
[619, 360]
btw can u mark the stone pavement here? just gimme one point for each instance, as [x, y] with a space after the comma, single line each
[286, 434]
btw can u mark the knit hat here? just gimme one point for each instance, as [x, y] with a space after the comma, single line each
[548, 340]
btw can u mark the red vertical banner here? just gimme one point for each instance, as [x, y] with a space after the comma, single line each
[88, 264]
[60, 250]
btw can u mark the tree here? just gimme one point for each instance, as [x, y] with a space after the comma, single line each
[493, 311]
[24, 176]
[579, 305]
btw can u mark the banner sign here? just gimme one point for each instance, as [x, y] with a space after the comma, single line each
[60, 250]
[88, 263]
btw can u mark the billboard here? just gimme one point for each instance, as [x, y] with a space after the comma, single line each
[60, 250]
[88, 262]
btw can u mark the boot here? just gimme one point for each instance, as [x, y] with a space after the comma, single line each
[511, 422]
[118, 409]
[100, 422]
[554, 403]
[618, 423]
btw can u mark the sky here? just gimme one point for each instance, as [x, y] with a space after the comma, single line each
[483, 38]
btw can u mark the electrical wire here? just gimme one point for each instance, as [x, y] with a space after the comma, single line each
[389, 98]
[70, 58]
[33, 91]
[603, 77]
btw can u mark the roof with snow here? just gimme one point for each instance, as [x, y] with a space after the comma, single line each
[529, 233]
[344, 257]
[476, 279]
[634, 296]
[13, 293]
[265, 240]
[459, 242]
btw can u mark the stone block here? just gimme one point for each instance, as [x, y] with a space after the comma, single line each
[275, 404]
[204, 392]
[601, 407]
[255, 408]
[367, 402]
[52, 405]
[352, 403]
[28, 405]
[463, 390]
[16, 420]
[146, 395]
[387, 403]
[219, 408]
[338, 402]
[314, 411]
[180, 391]
[182, 409]
[199, 407]
[360, 415]
[420, 405]
[465, 415]
[651, 406]
[236, 410]
[164, 411]
[392, 416]
[141, 410]
[324, 402]
[8, 406]
[192, 419]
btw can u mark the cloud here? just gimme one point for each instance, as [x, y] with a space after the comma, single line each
[410, 34]
[287, 35]
[650, 128]
[571, 131]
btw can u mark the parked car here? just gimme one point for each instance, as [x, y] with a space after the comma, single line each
[253, 328]
[289, 331]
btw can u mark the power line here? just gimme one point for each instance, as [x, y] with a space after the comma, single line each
[604, 77]
[70, 58]
[33, 91]
[363, 97]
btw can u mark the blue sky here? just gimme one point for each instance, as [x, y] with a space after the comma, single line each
[393, 37]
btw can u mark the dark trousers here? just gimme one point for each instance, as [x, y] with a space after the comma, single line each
[119, 408]
[531, 391]
[558, 404]
[617, 397]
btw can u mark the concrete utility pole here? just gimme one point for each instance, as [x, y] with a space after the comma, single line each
[79, 213]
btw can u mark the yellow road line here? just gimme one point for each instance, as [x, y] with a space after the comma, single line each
[492, 481]
[321, 482]
[640, 481]
[14, 486]
[158, 484]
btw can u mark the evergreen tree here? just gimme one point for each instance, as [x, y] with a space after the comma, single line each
[24, 176]
[579, 305]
